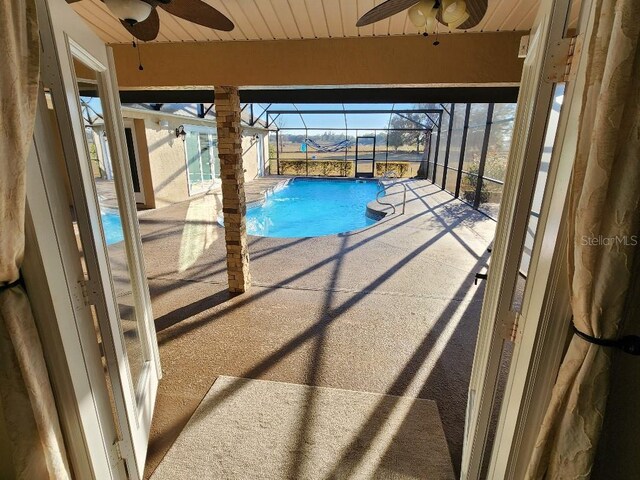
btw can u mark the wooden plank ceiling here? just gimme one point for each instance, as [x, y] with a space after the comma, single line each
[299, 19]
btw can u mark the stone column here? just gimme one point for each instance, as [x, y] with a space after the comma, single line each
[234, 209]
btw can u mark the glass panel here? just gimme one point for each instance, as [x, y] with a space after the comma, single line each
[541, 179]
[456, 134]
[194, 168]
[365, 154]
[294, 151]
[540, 186]
[452, 177]
[444, 134]
[205, 157]
[434, 144]
[133, 161]
[475, 137]
[82, 264]
[439, 175]
[111, 209]
[381, 153]
[500, 140]
[213, 148]
[202, 159]
[468, 186]
[490, 198]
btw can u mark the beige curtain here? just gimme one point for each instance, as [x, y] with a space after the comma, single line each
[604, 208]
[26, 399]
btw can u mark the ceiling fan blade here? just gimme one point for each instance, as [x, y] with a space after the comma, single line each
[384, 10]
[145, 30]
[197, 11]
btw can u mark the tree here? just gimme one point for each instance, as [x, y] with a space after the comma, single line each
[502, 126]
[407, 129]
[395, 138]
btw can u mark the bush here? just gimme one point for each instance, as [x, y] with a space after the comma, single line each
[324, 168]
[292, 167]
[400, 168]
[496, 165]
[469, 185]
[321, 168]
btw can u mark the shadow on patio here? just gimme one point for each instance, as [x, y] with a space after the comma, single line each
[388, 309]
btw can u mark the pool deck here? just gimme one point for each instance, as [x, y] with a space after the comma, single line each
[391, 308]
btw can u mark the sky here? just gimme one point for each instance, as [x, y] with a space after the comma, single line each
[323, 122]
[331, 122]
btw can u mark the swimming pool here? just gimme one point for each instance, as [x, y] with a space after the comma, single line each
[308, 207]
[112, 227]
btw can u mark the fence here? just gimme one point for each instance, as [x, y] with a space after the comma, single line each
[473, 149]
[463, 148]
[318, 146]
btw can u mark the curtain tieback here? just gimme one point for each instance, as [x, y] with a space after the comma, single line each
[629, 344]
[8, 286]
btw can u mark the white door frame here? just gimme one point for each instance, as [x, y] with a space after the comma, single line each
[497, 319]
[211, 132]
[544, 322]
[66, 36]
[65, 323]
[261, 156]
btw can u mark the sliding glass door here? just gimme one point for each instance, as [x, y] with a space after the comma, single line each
[203, 163]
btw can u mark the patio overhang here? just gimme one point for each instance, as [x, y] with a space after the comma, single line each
[470, 59]
[322, 95]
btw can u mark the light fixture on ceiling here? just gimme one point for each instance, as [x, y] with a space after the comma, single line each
[130, 11]
[423, 15]
[180, 133]
[454, 13]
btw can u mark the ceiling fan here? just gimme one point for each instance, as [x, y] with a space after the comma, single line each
[141, 19]
[424, 14]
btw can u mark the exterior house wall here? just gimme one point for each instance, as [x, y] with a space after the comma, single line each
[145, 164]
[167, 162]
[163, 156]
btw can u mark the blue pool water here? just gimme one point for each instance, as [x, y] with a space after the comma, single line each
[112, 227]
[308, 207]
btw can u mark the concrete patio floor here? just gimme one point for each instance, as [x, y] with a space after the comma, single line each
[388, 309]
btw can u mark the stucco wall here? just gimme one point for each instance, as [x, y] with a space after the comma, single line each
[145, 166]
[163, 158]
[167, 163]
[162, 155]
